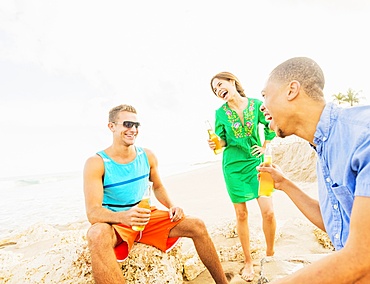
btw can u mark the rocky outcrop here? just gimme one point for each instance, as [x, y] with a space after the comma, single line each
[297, 158]
[46, 254]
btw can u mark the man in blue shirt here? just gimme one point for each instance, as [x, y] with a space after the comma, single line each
[295, 105]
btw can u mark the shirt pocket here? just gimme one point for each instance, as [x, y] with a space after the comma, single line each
[344, 196]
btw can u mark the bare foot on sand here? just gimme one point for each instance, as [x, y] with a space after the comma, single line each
[247, 273]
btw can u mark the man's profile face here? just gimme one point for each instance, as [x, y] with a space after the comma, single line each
[273, 106]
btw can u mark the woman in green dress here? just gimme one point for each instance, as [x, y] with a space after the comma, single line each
[237, 125]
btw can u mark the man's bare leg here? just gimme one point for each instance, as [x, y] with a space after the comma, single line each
[101, 240]
[196, 230]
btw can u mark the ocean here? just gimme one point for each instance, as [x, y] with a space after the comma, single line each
[55, 199]
[41, 169]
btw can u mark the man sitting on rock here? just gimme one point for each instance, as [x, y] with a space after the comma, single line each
[114, 182]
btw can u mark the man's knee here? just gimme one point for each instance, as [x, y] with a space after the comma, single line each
[195, 226]
[198, 223]
[100, 233]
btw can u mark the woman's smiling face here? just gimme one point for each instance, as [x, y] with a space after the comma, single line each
[224, 89]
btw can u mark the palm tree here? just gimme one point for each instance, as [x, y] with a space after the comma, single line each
[352, 97]
[340, 98]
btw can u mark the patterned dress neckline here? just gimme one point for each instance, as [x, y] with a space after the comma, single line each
[240, 130]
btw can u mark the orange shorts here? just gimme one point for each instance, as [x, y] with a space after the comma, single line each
[155, 234]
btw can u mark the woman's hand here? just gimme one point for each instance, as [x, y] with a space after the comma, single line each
[257, 150]
[211, 144]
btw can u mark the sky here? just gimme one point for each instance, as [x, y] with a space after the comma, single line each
[65, 64]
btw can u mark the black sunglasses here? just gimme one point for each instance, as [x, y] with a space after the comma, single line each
[129, 124]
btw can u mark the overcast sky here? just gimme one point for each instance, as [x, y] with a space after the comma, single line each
[64, 64]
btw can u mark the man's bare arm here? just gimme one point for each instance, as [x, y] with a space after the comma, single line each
[158, 187]
[175, 212]
[306, 204]
[349, 265]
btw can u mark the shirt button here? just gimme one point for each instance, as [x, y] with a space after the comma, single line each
[335, 206]
[328, 179]
[336, 236]
[324, 139]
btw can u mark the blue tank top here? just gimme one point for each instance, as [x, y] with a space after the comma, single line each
[124, 184]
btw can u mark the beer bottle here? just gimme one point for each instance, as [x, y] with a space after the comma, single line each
[266, 183]
[214, 138]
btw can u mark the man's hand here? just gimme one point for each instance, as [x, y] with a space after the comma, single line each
[176, 213]
[276, 174]
[136, 216]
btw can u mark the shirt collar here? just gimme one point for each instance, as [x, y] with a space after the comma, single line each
[327, 117]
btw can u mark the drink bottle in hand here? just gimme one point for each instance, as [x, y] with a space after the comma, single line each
[214, 138]
[144, 203]
[266, 183]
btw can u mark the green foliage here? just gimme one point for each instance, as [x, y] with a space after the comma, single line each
[339, 98]
[352, 97]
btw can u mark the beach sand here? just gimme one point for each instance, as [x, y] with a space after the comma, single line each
[51, 253]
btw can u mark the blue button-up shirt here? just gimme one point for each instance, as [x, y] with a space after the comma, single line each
[342, 141]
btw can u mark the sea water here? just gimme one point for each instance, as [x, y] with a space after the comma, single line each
[41, 180]
[54, 199]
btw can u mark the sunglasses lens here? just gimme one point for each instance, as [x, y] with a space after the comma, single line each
[130, 124]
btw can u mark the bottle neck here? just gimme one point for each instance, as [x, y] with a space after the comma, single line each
[268, 150]
[208, 126]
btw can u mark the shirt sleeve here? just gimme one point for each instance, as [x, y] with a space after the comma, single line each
[361, 165]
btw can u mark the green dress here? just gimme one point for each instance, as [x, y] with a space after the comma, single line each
[238, 164]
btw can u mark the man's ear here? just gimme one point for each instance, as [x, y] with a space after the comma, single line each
[294, 88]
[110, 126]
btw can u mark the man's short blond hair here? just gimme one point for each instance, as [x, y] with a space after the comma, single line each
[113, 113]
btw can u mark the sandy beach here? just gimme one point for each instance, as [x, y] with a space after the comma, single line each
[55, 252]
